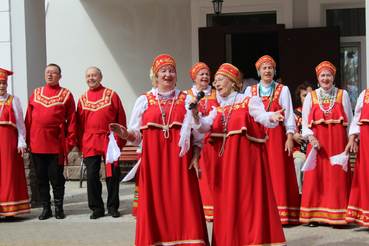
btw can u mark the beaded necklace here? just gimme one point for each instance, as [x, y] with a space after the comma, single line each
[225, 125]
[269, 92]
[331, 97]
[162, 111]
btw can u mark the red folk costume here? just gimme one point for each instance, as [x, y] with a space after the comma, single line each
[326, 188]
[358, 205]
[208, 159]
[282, 168]
[48, 109]
[245, 210]
[170, 209]
[96, 109]
[13, 187]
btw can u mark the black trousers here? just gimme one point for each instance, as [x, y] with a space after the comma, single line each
[49, 172]
[94, 186]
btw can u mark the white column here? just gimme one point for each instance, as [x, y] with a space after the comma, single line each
[28, 46]
[5, 46]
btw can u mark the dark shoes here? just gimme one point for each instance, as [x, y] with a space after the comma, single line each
[114, 213]
[59, 212]
[95, 216]
[46, 213]
[313, 224]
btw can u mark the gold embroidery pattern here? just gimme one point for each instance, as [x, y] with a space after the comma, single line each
[99, 104]
[7, 102]
[212, 96]
[152, 101]
[366, 97]
[235, 107]
[314, 96]
[51, 101]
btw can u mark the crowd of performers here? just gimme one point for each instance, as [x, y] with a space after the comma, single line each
[229, 157]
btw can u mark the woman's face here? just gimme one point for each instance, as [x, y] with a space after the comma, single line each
[202, 79]
[266, 73]
[3, 87]
[223, 85]
[325, 79]
[166, 78]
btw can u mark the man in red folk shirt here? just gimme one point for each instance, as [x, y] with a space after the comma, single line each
[97, 108]
[51, 134]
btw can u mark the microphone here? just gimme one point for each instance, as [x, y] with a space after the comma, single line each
[200, 95]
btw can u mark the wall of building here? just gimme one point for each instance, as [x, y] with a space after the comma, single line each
[122, 38]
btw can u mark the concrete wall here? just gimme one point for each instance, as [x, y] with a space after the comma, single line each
[5, 44]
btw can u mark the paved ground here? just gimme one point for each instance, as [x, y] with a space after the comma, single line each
[78, 229]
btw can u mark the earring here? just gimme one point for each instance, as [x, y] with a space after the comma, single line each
[258, 73]
[275, 72]
[318, 85]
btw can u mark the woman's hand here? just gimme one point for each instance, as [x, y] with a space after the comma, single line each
[118, 129]
[288, 146]
[277, 116]
[195, 164]
[196, 102]
[351, 145]
[298, 138]
[315, 144]
[21, 150]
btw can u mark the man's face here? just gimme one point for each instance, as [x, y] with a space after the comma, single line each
[52, 75]
[93, 78]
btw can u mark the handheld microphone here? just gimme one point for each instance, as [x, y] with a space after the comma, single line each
[200, 95]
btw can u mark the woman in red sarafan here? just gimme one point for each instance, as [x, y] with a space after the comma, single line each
[358, 205]
[200, 75]
[326, 116]
[13, 187]
[170, 209]
[280, 143]
[245, 209]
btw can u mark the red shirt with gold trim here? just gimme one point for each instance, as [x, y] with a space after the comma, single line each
[96, 109]
[51, 110]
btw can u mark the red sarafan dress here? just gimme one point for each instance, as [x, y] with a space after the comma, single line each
[170, 209]
[245, 209]
[358, 205]
[13, 187]
[208, 158]
[282, 167]
[326, 188]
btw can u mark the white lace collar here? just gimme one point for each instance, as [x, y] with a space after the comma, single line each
[228, 100]
[165, 94]
[3, 97]
[327, 92]
[207, 91]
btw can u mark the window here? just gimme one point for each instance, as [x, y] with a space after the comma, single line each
[350, 21]
[242, 19]
[350, 74]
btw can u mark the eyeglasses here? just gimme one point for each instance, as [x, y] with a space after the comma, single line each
[218, 81]
[51, 72]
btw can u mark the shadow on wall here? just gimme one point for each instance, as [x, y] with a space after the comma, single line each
[137, 31]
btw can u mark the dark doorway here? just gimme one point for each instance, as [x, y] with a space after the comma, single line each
[296, 51]
[248, 47]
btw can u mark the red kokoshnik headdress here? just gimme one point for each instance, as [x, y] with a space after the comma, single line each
[326, 65]
[229, 71]
[161, 61]
[265, 59]
[197, 67]
[4, 74]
